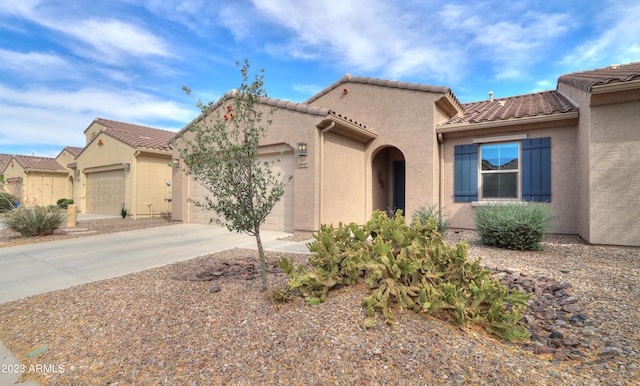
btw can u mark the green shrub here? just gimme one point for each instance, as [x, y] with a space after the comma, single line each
[123, 212]
[424, 213]
[514, 225]
[36, 221]
[406, 267]
[7, 201]
[64, 203]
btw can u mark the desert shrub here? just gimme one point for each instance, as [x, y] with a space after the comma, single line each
[7, 201]
[64, 203]
[514, 225]
[406, 267]
[424, 213]
[35, 221]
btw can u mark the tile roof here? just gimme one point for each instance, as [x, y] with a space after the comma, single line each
[279, 103]
[613, 74]
[528, 105]
[136, 135]
[74, 151]
[384, 83]
[38, 163]
[4, 160]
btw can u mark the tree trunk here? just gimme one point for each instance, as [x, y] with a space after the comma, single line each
[263, 260]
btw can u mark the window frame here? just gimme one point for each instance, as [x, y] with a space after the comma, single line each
[517, 172]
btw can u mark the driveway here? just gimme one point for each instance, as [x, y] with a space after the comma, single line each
[38, 268]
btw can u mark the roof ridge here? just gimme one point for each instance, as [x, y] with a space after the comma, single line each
[384, 83]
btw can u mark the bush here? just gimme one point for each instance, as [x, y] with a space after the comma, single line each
[514, 225]
[7, 201]
[424, 213]
[406, 267]
[36, 221]
[64, 203]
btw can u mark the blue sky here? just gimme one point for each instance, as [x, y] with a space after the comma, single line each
[64, 63]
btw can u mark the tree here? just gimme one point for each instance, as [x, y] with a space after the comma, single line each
[221, 153]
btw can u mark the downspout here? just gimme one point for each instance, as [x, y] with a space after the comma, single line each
[440, 174]
[326, 129]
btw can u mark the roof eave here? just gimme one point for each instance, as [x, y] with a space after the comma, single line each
[537, 119]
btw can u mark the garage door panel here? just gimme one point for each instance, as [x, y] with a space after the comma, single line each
[281, 216]
[105, 192]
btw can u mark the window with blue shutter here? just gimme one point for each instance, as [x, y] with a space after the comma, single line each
[466, 173]
[536, 169]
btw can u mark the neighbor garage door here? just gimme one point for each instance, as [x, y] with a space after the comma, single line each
[281, 217]
[105, 192]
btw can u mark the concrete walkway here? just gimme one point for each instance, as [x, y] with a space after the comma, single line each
[33, 269]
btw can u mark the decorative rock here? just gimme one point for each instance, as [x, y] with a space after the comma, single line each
[610, 351]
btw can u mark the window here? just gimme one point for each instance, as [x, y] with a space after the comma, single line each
[500, 170]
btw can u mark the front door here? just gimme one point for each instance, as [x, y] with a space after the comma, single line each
[398, 186]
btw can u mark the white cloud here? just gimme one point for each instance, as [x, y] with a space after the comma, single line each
[33, 64]
[510, 39]
[617, 41]
[377, 37]
[112, 39]
[54, 117]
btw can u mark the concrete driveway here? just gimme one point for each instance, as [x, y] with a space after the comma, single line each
[38, 268]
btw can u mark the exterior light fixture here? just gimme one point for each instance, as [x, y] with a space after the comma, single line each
[127, 166]
[302, 148]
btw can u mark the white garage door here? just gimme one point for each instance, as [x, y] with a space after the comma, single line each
[280, 218]
[105, 192]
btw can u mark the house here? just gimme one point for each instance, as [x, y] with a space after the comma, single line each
[123, 165]
[35, 181]
[363, 144]
[4, 160]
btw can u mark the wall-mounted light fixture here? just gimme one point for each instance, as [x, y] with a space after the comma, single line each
[302, 148]
[77, 173]
[127, 166]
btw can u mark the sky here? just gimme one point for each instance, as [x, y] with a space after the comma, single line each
[64, 63]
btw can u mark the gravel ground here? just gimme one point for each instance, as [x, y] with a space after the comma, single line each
[163, 326]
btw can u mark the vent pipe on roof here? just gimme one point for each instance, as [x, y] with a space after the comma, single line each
[490, 96]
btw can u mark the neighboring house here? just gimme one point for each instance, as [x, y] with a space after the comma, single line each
[4, 160]
[36, 181]
[123, 165]
[364, 144]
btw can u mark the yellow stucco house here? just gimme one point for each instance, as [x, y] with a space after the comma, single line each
[363, 144]
[123, 165]
[36, 181]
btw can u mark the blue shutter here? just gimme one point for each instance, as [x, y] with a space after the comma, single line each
[536, 169]
[466, 173]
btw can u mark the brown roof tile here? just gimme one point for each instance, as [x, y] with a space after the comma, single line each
[38, 163]
[528, 105]
[613, 74]
[74, 151]
[136, 135]
[4, 160]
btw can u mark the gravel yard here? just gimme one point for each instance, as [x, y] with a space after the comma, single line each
[163, 326]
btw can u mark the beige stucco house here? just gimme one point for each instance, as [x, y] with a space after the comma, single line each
[123, 165]
[36, 181]
[364, 144]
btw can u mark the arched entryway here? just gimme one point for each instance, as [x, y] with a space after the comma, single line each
[388, 172]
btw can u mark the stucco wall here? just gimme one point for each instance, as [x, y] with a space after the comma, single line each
[288, 128]
[403, 119]
[152, 174]
[343, 184]
[37, 188]
[582, 144]
[615, 175]
[563, 176]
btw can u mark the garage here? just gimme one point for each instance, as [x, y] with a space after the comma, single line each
[105, 192]
[280, 218]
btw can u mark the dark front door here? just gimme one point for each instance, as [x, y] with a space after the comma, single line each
[398, 186]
